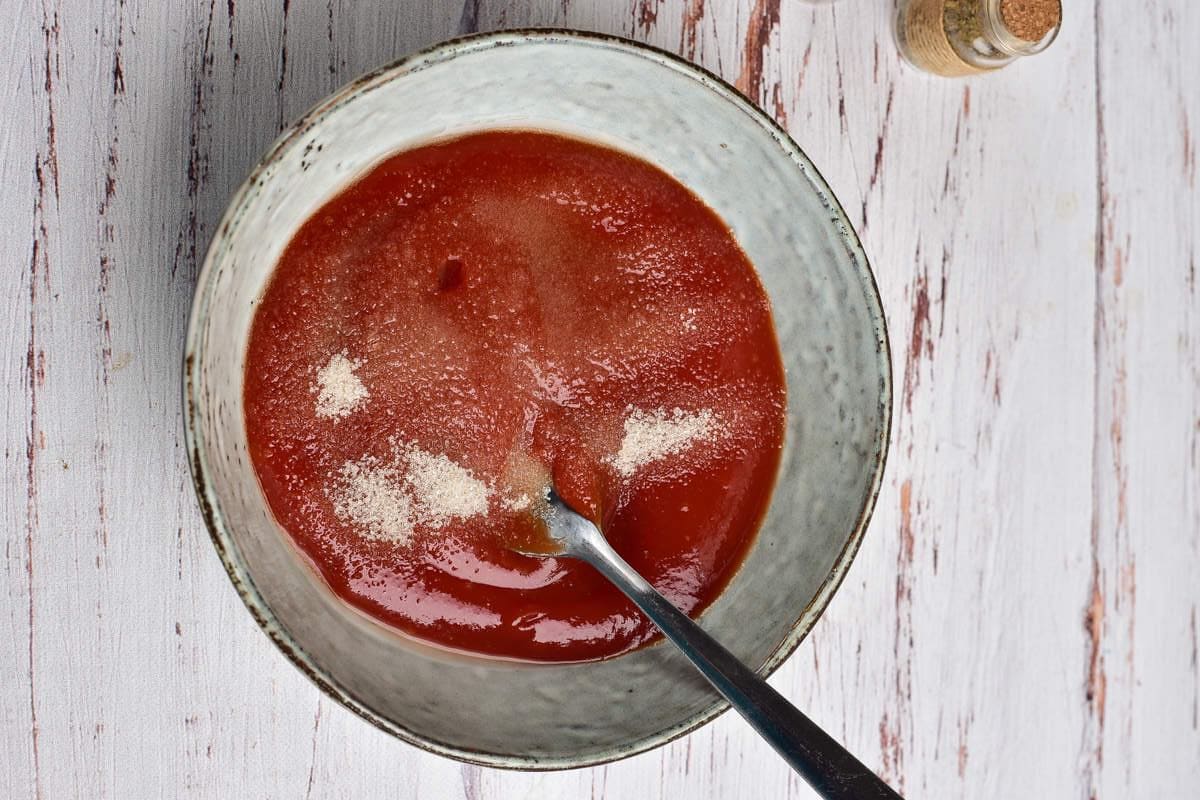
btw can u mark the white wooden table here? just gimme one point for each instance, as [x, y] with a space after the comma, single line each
[1022, 620]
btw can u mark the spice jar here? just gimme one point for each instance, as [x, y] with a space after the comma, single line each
[965, 37]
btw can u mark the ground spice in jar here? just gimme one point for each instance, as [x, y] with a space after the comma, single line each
[962, 22]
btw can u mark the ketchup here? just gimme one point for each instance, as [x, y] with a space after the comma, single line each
[513, 297]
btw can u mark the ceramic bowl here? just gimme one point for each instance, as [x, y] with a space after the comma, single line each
[830, 326]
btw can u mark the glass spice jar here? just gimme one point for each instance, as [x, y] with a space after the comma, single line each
[965, 37]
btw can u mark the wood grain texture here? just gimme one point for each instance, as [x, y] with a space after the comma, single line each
[1022, 619]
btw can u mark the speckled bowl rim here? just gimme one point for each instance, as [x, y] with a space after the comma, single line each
[227, 548]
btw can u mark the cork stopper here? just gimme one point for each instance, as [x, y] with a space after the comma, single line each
[1030, 20]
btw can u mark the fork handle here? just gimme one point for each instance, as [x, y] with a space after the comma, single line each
[827, 766]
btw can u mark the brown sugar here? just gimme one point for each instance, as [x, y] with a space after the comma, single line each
[1030, 20]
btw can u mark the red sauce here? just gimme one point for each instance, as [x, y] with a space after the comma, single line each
[515, 294]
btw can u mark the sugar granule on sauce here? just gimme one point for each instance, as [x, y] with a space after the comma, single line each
[417, 489]
[339, 390]
[518, 503]
[444, 490]
[374, 499]
[656, 434]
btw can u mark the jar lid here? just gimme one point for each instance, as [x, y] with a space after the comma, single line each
[1031, 20]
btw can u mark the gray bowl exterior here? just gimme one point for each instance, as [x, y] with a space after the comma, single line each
[831, 331]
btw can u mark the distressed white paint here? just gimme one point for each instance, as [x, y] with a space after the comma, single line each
[1022, 618]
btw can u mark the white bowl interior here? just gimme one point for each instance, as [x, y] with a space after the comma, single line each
[830, 329]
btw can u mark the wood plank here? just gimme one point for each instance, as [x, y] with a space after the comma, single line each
[144, 656]
[22, 201]
[1143, 684]
[977, 530]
